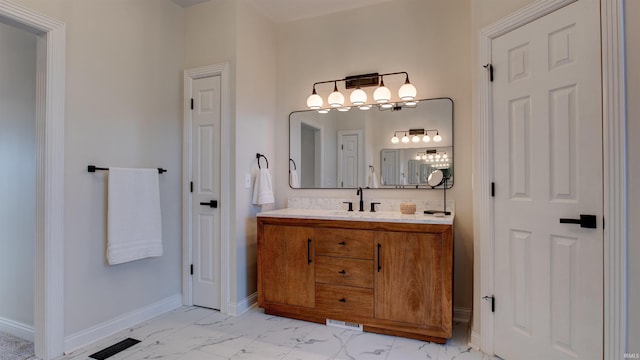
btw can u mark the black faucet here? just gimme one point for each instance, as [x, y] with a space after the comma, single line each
[359, 192]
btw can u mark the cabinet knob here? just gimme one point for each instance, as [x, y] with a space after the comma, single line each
[342, 272]
[342, 243]
[342, 300]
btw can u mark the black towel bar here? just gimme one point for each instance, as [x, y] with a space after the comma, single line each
[93, 168]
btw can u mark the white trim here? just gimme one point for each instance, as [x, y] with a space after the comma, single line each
[122, 322]
[461, 314]
[17, 329]
[614, 161]
[241, 307]
[50, 101]
[225, 186]
[475, 340]
[615, 178]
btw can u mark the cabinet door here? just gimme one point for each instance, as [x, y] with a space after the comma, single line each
[288, 265]
[413, 278]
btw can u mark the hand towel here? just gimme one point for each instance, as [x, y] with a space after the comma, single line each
[294, 180]
[372, 179]
[134, 229]
[262, 188]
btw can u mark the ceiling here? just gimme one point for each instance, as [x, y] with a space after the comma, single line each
[280, 11]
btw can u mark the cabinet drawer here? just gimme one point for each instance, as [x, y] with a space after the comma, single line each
[344, 243]
[341, 271]
[336, 299]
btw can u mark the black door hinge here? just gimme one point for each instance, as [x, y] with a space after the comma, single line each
[191, 103]
[191, 269]
[493, 302]
[191, 187]
[493, 189]
[490, 68]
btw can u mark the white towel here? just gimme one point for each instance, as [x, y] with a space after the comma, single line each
[134, 220]
[262, 188]
[372, 179]
[294, 180]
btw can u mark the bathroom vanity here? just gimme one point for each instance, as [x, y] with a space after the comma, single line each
[392, 273]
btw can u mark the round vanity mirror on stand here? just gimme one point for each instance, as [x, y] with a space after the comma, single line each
[436, 178]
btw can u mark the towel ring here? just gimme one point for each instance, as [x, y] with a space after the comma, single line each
[294, 165]
[258, 156]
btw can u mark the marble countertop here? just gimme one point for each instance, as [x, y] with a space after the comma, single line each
[380, 216]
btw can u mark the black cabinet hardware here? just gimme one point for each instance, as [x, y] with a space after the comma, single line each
[585, 221]
[308, 251]
[211, 204]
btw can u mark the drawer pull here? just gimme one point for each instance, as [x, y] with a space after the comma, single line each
[342, 243]
[342, 272]
[379, 266]
[308, 251]
[342, 300]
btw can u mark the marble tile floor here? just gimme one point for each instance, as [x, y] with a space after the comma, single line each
[193, 333]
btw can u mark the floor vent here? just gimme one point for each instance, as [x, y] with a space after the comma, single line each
[114, 349]
[344, 325]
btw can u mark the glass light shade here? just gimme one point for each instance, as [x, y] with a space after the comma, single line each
[405, 139]
[430, 157]
[426, 138]
[444, 156]
[386, 105]
[364, 107]
[382, 94]
[411, 103]
[323, 111]
[336, 99]
[358, 97]
[424, 156]
[407, 92]
[344, 108]
[395, 140]
[418, 157]
[437, 138]
[314, 101]
[415, 139]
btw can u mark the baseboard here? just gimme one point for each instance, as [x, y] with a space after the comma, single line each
[122, 322]
[17, 329]
[461, 314]
[474, 340]
[241, 307]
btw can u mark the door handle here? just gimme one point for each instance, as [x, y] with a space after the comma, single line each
[211, 204]
[585, 221]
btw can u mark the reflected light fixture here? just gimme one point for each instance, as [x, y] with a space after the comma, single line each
[358, 97]
[417, 135]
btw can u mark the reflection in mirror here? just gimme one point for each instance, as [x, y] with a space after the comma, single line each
[395, 148]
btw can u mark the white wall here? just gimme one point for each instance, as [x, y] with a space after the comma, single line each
[17, 174]
[427, 38]
[123, 108]
[632, 33]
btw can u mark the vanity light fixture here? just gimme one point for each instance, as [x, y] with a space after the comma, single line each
[358, 97]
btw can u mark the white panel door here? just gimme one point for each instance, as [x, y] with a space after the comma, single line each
[389, 171]
[548, 166]
[206, 188]
[349, 158]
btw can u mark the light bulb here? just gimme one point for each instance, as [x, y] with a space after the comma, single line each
[430, 157]
[405, 139]
[394, 139]
[437, 138]
[336, 99]
[424, 156]
[417, 156]
[382, 93]
[407, 92]
[426, 138]
[358, 97]
[437, 156]
[415, 139]
[314, 101]
[323, 111]
[444, 156]
[364, 107]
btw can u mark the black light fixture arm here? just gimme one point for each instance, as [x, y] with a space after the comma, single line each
[355, 80]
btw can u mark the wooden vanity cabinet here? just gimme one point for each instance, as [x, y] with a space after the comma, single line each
[394, 278]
